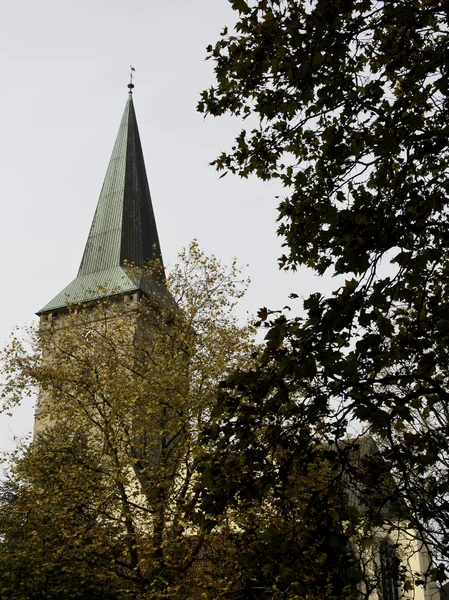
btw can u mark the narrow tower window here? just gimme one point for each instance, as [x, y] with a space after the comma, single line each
[389, 571]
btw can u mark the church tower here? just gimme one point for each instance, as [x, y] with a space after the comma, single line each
[123, 234]
[123, 229]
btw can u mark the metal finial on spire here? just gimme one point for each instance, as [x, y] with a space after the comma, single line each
[131, 77]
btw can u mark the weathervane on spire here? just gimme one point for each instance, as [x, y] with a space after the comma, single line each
[131, 77]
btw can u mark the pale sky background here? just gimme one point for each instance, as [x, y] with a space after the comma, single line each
[64, 70]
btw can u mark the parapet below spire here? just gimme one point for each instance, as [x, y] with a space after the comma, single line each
[123, 230]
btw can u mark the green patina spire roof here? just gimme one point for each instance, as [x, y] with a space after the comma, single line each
[123, 230]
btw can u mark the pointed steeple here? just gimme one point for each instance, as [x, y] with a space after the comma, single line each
[123, 230]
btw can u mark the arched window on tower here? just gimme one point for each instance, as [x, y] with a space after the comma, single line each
[388, 571]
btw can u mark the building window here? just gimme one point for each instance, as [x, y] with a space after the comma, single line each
[389, 571]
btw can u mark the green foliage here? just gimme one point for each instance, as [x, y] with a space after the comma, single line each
[55, 541]
[351, 103]
[104, 502]
[291, 542]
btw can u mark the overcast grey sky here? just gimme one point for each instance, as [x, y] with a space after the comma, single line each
[64, 69]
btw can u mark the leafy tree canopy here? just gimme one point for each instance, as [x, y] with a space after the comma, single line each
[350, 101]
[108, 501]
[104, 502]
